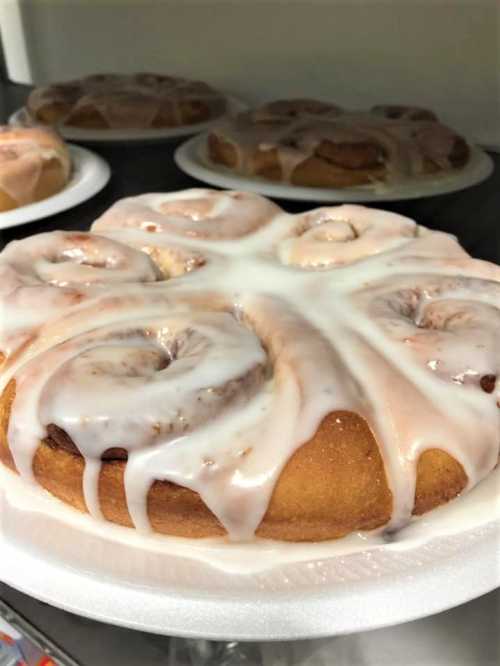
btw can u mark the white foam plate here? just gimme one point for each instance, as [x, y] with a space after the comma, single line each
[260, 591]
[192, 158]
[90, 173]
[235, 105]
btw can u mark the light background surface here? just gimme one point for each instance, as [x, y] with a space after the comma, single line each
[443, 54]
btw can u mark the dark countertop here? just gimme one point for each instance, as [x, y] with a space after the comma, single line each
[474, 216]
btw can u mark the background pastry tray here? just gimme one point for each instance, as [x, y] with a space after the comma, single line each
[192, 158]
[263, 591]
[234, 105]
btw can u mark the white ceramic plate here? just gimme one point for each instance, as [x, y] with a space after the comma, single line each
[90, 173]
[22, 117]
[187, 588]
[192, 158]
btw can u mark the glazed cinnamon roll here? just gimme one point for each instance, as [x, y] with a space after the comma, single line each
[49, 274]
[322, 373]
[34, 165]
[307, 143]
[136, 101]
[328, 237]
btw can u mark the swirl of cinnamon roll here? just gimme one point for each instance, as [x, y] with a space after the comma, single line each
[338, 235]
[196, 213]
[61, 269]
[182, 365]
[219, 402]
[158, 223]
[179, 369]
[449, 324]
[66, 257]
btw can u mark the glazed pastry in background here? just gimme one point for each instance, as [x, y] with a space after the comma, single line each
[312, 143]
[403, 112]
[120, 101]
[34, 164]
[297, 377]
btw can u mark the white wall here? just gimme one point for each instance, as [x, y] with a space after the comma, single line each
[445, 54]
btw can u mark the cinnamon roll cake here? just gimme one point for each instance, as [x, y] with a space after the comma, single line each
[202, 363]
[316, 144]
[34, 164]
[119, 101]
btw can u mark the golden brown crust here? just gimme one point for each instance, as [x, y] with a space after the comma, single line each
[7, 202]
[316, 172]
[221, 151]
[319, 170]
[334, 484]
[54, 171]
[52, 180]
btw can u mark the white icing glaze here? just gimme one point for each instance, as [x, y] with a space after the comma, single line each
[79, 264]
[214, 379]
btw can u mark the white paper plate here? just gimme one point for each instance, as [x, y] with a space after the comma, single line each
[192, 158]
[166, 585]
[235, 105]
[90, 173]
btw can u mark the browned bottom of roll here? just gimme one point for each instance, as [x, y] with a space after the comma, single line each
[333, 485]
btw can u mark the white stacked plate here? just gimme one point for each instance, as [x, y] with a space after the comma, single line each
[193, 159]
[259, 591]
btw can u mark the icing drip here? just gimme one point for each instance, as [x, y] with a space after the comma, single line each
[212, 380]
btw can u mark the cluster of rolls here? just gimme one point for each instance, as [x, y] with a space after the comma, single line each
[298, 141]
[204, 364]
[119, 101]
[312, 143]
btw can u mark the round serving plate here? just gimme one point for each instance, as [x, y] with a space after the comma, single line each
[258, 591]
[235, 105]
[192, 158]
[89, 175]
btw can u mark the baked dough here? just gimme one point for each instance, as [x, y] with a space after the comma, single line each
[314, 375]
[34, 165]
